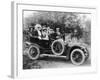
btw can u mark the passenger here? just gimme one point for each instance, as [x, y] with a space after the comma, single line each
[37, 30]
[45, 34]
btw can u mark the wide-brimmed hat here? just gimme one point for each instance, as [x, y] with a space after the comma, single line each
[37, 26]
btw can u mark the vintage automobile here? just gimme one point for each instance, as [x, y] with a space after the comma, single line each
[73, 49]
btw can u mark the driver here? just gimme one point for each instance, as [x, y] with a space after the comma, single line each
[58, 33]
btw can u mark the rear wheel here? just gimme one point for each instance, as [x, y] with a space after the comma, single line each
[33, 52]
[77, 57]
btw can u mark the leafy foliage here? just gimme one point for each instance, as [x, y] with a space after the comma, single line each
[68, 22]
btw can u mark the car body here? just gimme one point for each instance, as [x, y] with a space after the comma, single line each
[73, 49]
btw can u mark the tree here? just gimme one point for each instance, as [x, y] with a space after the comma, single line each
[68, 22]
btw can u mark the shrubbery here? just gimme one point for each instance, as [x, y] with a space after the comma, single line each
[67, 22]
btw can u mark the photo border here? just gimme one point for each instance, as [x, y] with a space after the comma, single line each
[17, 70]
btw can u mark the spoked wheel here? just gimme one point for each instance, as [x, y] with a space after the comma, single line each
[57, 47]
[77, 57]
[33, 52]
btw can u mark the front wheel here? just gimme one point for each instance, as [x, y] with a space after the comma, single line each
[57, 47]
[33, 52]
[77, 57]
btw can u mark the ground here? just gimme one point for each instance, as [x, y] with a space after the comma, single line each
[49, 62]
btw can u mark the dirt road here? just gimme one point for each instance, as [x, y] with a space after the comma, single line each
[49, 62]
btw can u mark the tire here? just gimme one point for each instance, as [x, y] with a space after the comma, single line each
[33, 52]
[77, 57]
[57, 47]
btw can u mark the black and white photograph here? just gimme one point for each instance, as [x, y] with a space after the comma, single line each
[55, 39]
[52, 40]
